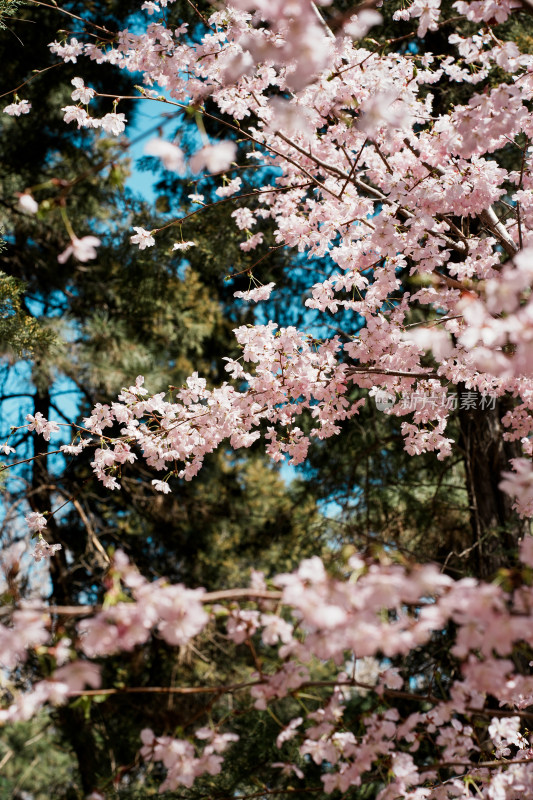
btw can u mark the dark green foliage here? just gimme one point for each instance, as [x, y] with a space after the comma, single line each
[36, 761]
[20, 332]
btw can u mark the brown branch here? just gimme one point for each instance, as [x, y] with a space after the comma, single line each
[289, 790]
[184, 690]
[197, 10]
[31, 458]
[488, 217]
[240, 594]
[392, 372]
[36, 74]
[380, 154]
[91, 533]
[55, 7]
[206, 599]
[256, 193]
[451, 282]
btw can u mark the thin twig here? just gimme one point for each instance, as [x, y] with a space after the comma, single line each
[74, 16]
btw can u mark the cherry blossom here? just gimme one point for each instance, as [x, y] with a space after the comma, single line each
[83, 249]
[214, 157]
[67, 52]
[18, 108]
[113, 123]
[27, 204]
[230, 188]
[143, 238]
[36, 521]
[257, 294]
[44, 550]
[335, 616]
[41, 425]
[81, 92]
[80, 116]
[170, 154]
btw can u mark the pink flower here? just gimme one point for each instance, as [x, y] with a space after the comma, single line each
[143, 238]
[79, 674]
[68, 52]
[83, 249]
[260, 293]
[435, 339]
[113, 123]
[243, 218]
[360, 24]
[44, 550]
[519, 484]
[183, 245]
[214, 157]
[171, 156]
[289, 731]
[79, 115]
[252, 242]
[230, 188]
[161, 486]
[41, 425]
[36, 521]
[27, 204]
[526, 550]
[385, 108]
[16, 109]
[150, 7]
[82, 93]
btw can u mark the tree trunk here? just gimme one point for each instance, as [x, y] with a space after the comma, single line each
[495, 527]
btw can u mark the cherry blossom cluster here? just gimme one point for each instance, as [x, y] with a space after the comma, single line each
[286, 373]
[371, 175]
[379, 611]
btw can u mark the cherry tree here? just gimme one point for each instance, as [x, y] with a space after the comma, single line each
[428, 238]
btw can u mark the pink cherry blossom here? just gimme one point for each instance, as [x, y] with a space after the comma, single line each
[18, 108]
[36, 521]
[83, 249]
[113, 123]
[161, 486]
[143, 238]
[230, 188]
[42, 426]
[67, 52]
[81, 92]
[369, 174]
[214, 157]
[27, 204]
[257, 294]
[44, 550]
[170, 154]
